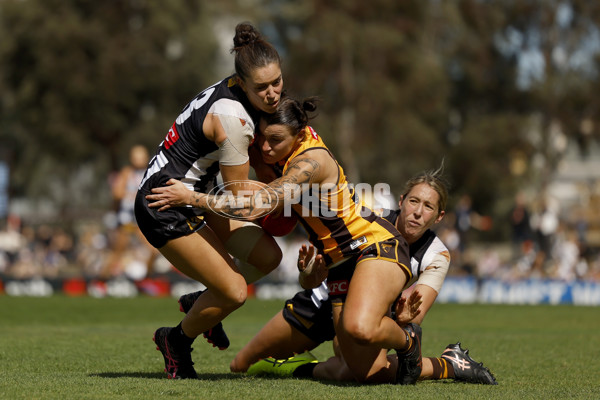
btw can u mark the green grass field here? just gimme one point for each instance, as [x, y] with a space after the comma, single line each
[86, 348]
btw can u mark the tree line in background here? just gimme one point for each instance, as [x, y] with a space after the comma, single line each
[489, 88]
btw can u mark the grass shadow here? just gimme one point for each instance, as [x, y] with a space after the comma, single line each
[162, 375]
[354, 384]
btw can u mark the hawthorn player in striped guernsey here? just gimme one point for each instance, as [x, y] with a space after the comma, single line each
[282, 347]
[305, 321]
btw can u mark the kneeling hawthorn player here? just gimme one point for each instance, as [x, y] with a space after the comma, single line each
[306, 320]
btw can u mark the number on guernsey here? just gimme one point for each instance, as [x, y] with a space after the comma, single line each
[160, 160]
[196, 104]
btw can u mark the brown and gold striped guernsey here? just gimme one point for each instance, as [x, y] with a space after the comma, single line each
[338, 224]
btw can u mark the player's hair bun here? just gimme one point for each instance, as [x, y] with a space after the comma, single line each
[251, 50]
[309, 104]
[245, 34]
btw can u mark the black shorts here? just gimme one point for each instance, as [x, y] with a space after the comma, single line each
[338, 280]
[160, 227]
[314, 321]
[393, 250]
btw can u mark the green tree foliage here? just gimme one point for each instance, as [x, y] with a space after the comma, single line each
[404, 86]
[379, 82]
[408, 84]
[483, 85]
[84, 80]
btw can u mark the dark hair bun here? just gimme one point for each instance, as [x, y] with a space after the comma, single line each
[245, 34]
[310, 104]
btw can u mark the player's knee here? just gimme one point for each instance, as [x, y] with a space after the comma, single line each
[360, 332]
[272, 258]
[239, 297]
[252, 245]
[235, 295]
[266, 255]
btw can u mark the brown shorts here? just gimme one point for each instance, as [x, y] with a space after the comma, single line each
[393, 250]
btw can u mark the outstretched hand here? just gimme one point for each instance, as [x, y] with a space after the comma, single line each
[312, 267]
[408, 309]
[175, 194]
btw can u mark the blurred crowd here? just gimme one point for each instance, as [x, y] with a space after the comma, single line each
[543, 245]
[51, 252]
[544, 242]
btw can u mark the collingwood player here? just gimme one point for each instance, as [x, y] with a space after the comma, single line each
[212, 135]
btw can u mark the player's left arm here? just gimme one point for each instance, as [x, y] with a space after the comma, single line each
[267, 198]
[429, 284]
[312, 267]
[428, 296]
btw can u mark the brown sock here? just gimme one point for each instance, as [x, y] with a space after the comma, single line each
[407, 347]
[441, 368]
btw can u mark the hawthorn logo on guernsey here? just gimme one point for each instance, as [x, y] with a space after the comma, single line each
[232, 198]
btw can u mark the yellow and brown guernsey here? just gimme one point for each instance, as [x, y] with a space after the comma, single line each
[339, 224]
